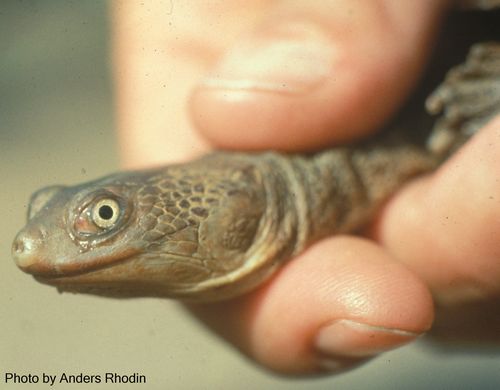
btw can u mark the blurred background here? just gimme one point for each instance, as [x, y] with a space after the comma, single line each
[56, 126]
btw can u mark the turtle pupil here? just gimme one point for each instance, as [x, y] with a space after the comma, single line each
[105, 212]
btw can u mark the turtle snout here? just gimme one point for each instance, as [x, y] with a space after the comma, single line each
[26, 249]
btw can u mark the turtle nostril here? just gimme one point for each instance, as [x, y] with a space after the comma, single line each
[18, 246]
[25, 248]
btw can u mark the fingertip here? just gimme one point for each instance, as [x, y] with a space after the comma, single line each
[285, 112]
[309, 77]
[344, 298]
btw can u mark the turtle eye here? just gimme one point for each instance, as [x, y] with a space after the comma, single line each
[105, 213]
[100, 216]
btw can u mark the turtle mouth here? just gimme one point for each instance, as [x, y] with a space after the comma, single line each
[131, 276]
[106, 279]
[48, 269]
[81, 273]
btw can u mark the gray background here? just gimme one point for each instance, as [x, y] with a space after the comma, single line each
[56, 126]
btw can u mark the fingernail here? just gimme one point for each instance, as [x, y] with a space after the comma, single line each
[295, 59]
[351, 339]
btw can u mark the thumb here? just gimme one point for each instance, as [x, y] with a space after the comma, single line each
[319, 72]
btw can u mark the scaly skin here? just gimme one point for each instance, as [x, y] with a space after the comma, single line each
[217, 227]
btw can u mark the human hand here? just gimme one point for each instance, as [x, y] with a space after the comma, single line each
[305, 76]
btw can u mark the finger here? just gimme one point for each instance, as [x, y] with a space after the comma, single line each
[340, 303]
[446, 227]
[315, 73]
